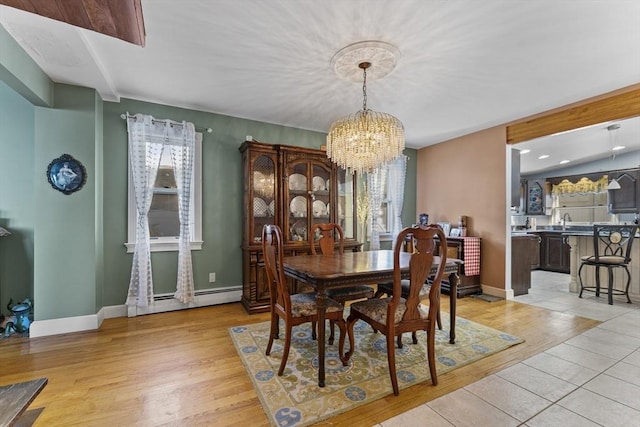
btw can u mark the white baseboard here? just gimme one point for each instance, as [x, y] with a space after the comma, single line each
[498, 292]
[42, 328]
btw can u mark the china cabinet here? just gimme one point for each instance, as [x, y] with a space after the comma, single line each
[294, 188]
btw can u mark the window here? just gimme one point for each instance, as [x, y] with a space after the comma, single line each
[385, 213]
[164, 225]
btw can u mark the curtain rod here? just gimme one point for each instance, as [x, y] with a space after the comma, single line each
[208, 130]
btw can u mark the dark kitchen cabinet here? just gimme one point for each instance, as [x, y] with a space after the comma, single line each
[521, 260]
[555, 252]
[627, 198]
[534, 250]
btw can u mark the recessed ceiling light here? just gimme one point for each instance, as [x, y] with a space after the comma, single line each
[544, 156]
[525, 151]
[618, 147]
[564, 162]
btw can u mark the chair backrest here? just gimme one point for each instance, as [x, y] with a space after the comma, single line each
[424, 250]
[329, 234]
[613, 240]
[272, 249]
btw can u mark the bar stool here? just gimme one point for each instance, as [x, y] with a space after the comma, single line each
[612, 249]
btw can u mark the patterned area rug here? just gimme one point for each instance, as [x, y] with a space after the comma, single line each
[294, 399]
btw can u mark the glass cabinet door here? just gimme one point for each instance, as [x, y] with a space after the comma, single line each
[320, 195]
[308, 198]
[297, 202]
[263, 205]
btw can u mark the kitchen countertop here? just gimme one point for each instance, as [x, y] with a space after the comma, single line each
[569, 231]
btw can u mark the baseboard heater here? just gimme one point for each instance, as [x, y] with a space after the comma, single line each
[203, 297]
[199, 292]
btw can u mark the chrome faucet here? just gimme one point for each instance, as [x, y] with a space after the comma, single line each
[565, 217]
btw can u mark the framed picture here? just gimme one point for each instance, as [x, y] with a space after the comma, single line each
[66, 174]
[446, 226]
[455, 232]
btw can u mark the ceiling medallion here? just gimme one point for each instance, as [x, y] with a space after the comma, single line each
[364, 141]
[382, 56]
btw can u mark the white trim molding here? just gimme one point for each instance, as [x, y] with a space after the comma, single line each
[498, 292]
[163, 303]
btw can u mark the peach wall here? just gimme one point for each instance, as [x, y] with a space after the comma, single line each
[467, 176]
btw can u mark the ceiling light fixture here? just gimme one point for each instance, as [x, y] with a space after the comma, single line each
[613, 141]
[564, 162]
[365, 140]
[544, 156]
[525, 151]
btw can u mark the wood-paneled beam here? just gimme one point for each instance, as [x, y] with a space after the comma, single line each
[116, 18]
[615, 106]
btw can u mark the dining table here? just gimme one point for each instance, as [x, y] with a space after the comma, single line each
[323, 272]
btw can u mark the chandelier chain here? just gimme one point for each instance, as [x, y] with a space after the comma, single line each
[364, 90]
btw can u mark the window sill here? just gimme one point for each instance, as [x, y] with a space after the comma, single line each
[166, 246]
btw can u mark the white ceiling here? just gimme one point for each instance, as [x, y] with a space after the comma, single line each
[465, 65]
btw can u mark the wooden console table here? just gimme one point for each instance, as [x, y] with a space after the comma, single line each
[14, 399]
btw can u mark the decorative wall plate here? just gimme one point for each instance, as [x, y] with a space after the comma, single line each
[66, 174]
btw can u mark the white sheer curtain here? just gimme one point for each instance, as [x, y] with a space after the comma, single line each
[397, 173]
[376, 182]
[182, 157]
[147, 139]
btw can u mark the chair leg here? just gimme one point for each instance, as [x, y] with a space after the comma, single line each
[314, 336]
[399, 340]
[597, 280]
[350, 323]
[342, 325]
[626, 291]
[332, 334]
[391, 357]
[414, 337]
[610, 285]
[580, 277]
[285, 352]
[439, 320]
[431, 357]
[273, 333]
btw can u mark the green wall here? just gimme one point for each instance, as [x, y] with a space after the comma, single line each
[221, 194]
[17, 175]
[65, 255]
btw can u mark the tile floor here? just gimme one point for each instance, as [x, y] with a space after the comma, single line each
[590, 380]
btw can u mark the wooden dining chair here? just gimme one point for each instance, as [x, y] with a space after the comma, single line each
[395, 315]
[387, 289]
[294, 309]
[330, 234]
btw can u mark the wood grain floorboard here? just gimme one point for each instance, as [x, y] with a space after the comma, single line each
[181, 368]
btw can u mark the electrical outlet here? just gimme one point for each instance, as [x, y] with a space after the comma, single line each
[212, 277]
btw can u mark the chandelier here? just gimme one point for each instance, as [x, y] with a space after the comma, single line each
[365, 140]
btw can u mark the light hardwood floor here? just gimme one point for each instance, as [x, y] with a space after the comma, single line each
[181, 368]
